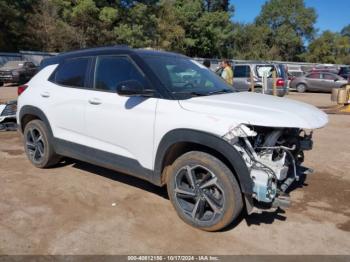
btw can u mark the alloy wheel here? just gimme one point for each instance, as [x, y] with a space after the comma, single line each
[35, 145]
[198, 193]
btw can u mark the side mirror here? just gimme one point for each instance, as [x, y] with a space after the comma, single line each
[335, 80]
[133, 88]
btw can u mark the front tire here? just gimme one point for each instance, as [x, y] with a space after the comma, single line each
[38, 148]
[203, 191]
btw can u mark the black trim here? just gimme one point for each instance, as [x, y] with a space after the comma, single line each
[209, 140]
[52, 77]
[31, 110]
[133, 167]
[105, 159]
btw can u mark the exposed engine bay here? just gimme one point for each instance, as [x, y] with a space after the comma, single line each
[273, 157]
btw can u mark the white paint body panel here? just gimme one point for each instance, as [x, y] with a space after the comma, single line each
[134, 127]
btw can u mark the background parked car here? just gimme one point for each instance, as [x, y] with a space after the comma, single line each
[293, 72]
[344, 72]
[241, 77]
[17, 72]
[317, 81]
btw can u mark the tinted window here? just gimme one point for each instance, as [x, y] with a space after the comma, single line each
[344, 70]
[329, 77]
[72, 72]
[110, 71]
[314, 76]
[241, 71]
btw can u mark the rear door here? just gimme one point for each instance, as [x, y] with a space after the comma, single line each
[65, 98]
[329, 81]
[120, 125]
[313, 81]
[241, 77]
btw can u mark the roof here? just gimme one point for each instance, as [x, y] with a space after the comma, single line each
[105, 50]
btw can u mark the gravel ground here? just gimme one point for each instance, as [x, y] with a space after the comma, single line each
[78, 208]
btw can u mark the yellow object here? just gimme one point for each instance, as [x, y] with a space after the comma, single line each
[228, 75]
[252, 84]
[274, 90]
[334, 96]
[345, 109]
[342, 96]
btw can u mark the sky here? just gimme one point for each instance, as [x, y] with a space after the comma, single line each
[333, 15]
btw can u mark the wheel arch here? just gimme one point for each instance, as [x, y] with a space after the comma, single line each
[179, 141]
[29, 113]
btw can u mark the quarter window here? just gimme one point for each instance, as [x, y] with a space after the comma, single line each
[241, 71]
[112, 70]
[72, 72]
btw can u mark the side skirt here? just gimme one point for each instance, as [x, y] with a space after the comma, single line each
[104, 159]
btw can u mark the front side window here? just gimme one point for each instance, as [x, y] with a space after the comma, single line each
[184, 77]
[72, 72]
[241, 71]
[112, 70]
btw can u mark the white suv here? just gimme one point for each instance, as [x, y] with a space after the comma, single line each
[167, 119]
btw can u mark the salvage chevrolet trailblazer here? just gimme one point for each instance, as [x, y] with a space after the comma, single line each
[165, 118]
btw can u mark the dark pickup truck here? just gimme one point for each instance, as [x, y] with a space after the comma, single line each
[17, 72]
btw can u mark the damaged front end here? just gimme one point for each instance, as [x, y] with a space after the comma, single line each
[273, 157]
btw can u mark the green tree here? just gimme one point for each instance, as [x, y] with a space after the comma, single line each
[12, 23]
[291, 23]
[345, 31]
[171, 34]
[45, 31]
[329, 48]
[250, 42]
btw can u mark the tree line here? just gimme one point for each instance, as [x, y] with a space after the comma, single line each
[284, 29]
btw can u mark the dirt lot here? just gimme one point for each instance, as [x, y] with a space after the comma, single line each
[68, 209]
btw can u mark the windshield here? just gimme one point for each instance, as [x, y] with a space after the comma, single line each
[184, 77]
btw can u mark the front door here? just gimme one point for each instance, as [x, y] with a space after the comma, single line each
[123, 126]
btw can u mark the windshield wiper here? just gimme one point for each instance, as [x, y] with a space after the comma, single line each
[222, 91]
[189, 93]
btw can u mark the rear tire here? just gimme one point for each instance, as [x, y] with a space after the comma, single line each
[38, 146]
[203, 191]
[301, 88]
[1, 83]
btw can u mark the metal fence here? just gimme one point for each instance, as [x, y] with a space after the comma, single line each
[32, 56]
[214, 63]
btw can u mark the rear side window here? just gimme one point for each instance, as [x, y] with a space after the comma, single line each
[111, 70]
[72, 72]
[329, 77]
[241, 71]
[314, 76]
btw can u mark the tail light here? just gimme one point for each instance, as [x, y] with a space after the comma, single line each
[280, 82]
[21, 89]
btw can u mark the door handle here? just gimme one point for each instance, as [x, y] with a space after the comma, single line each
[45, 94]
[95, 101]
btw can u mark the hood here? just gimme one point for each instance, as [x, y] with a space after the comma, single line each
[258, 109]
